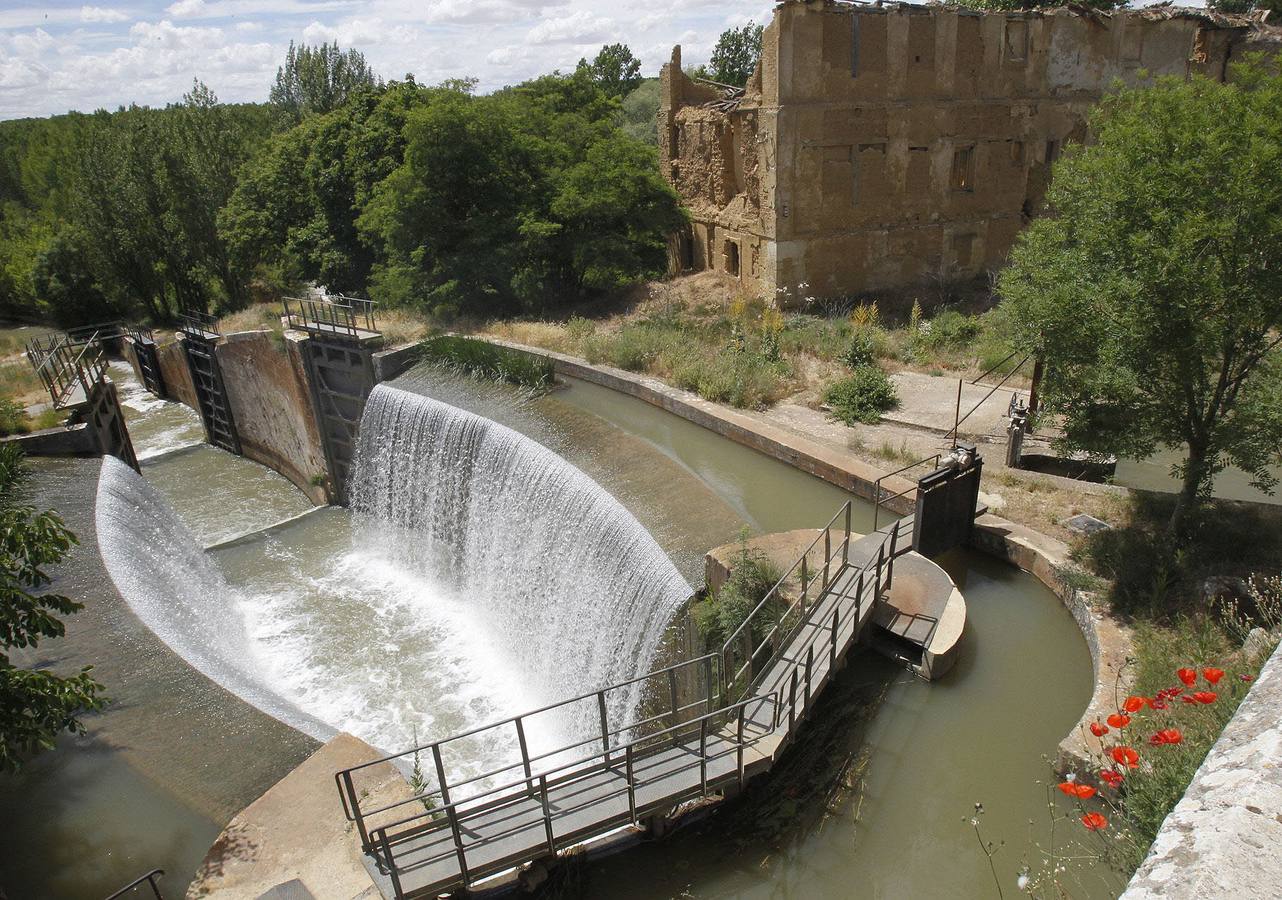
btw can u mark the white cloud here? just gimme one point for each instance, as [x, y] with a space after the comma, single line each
[578, 27]
[184, 9]
[100, 14]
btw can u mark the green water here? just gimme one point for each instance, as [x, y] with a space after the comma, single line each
[870, 802]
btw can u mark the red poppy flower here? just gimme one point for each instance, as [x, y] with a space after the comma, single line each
[1205, 696]
[1134, 704]
[1247, 677]
[1067, 787]
[1118, 720]
[1188, 676]
[1111, 777]
[1188, 698]
[1213, 675]
[1095, 821]
[1125, 756]
[1099, 730]
[1171, 735]
[1083, 791]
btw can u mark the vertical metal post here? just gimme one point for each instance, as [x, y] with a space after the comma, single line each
[845, 550]
[632, 789]
[547, 813]
[440, 774]
[391, 866]
[525, 753]
[957, 415]
[881, 560]
[739, 743]
[890, 566]
[358, 817]
[805, 586]
[792, 700]
[707, 677]
[605, 728]
[827, 557]
[452, 814]
[876, 502]
[859, 598]
[809, 663]
[672, 695]
[832, 652]
[703, 756]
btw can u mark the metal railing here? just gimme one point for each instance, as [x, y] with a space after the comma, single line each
[140, 334]
[63, 365]
[610, 738]
[742, 649]
[197, 324]
[150, 878]
[958, 418]
[880, 500]
[602, 781]
[347, 316]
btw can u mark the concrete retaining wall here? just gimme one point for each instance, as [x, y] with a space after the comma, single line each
[177, 375]
[1224, 838]
[271, 404]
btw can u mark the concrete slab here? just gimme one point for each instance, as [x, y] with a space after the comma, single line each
[929, 402]
[295, 838]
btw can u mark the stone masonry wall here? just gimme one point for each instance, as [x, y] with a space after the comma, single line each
[272, 407]
[884, 148]
[176, 373]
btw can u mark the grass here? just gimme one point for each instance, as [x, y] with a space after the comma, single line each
[487, 360]
[752, 575]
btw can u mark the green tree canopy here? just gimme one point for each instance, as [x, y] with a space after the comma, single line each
[1153, 289]
[615, 70]
[35, 704]
[736, 54]
[317, 80]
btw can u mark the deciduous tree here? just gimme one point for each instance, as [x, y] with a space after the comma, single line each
[614, 69]
[1153, 289]
[735, 56]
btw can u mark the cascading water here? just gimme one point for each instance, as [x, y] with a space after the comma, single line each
[577, 591]
[177, 591]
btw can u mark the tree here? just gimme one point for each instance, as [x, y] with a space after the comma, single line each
[35, 705]
[1153, 290]
[316, 80]
[735, 56]
[615, 70]
[639, 112]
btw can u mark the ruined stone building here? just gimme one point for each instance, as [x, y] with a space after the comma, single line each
[880, 148]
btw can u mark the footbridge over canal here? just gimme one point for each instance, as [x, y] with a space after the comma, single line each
[703, 726]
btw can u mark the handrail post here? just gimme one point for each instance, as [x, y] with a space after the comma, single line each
[832, 653]
[881, 560]
[845, 552]
[440, 774]
[357, 816]
[605, 728]
[452, 814]
[792, 700]
[525, 754]
[809, 662]
[672, 693]
[547, 813]
[876, 502]
[827, 556]
[391, 866]
[707, 677]
[703, 756]
[890, 567]
[805, 586]
[739, 742]
[632, 788]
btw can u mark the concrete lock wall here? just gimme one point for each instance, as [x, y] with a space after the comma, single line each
[177, 374]
[887, 148]
[271, 404]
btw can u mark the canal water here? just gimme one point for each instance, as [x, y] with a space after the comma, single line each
[874, 801]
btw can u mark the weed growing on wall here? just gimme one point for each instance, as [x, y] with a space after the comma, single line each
[486, 360]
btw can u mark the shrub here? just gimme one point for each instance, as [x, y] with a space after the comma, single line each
[862, 350]
[487, 360]
[13, 418]
[752, 575]
[744, 379]
[861, 397]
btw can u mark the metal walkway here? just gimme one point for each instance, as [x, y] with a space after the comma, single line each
[706, 724]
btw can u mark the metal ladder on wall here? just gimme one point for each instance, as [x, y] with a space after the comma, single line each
[200, 333]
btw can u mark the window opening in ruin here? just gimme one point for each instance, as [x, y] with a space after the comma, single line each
[1016, 40]
[964, 169]
[854, 46]
[963, 250]
[732, 257]
[1052, 152]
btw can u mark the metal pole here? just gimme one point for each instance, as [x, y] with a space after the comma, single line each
[957, 415]
[672, 691]
[525, 753]
[707, 677]
[452, 814]
[832, 653]
[547, 813]
[827, 556]
[703, 756]
[605, 728]
[845, 551]
[809, 661]
[440, 774]
[739, 742]
[804, 585]
[356, 810]
[391, 867]
[792, 700]
[632, 790]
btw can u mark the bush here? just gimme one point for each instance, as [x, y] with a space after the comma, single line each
[743, 379]
[752, 575]
[862, 397]
[487, 360]
[13, 418]
[862, 350]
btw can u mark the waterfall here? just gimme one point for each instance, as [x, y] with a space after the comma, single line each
[573, 586]
[173, 586]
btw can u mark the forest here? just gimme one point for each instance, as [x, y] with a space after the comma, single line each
[434, 197]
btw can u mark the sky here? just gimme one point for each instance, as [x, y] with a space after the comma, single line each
[59, 57]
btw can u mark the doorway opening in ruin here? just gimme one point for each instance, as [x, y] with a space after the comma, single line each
[732, 257]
